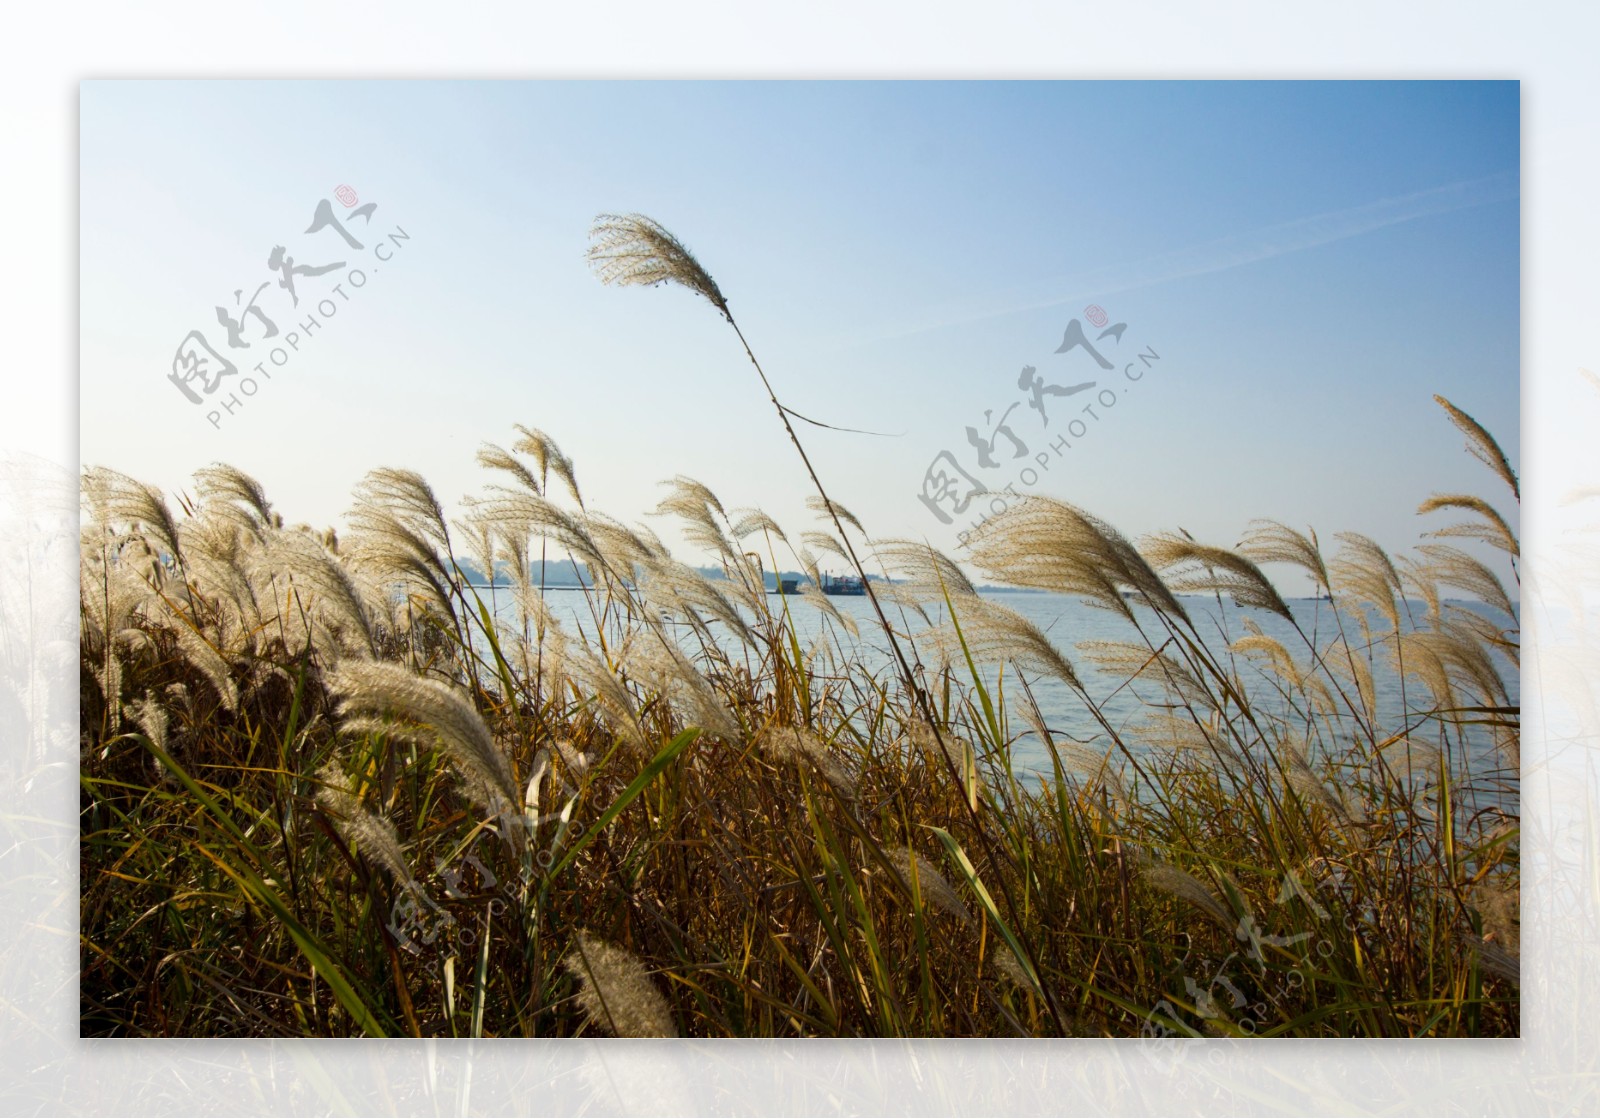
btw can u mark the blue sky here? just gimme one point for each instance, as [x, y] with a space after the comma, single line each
[1312, 261]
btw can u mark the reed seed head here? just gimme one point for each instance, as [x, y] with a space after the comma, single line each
[630, 249]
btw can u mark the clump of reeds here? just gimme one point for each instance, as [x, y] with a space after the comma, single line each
[328, 789]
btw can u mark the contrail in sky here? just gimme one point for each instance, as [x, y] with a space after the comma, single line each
[1243, 248]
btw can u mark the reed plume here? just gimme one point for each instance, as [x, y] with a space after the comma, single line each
[1179, 883]
[1050, 545]
[615, 992]
[632, 249]
[1271, 541]
[1188, 567]
[919, 877]
[547, 456]
[1365, 572]
[395, 694]
[1493, 529]
[801, 745]
[370, 834]
[1482, 445]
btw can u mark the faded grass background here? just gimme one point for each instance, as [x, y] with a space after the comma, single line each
[1550, 1071]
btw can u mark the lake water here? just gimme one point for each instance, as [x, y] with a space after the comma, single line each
[1068, 621]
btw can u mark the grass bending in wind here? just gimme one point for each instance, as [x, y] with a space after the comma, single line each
[331, 788]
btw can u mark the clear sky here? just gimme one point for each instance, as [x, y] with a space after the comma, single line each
[1311, 261]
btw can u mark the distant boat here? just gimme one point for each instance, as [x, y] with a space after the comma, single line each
[846, 584]
[786, 587]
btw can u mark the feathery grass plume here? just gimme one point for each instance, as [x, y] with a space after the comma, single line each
[370, 834]
[378, 726]
[664, 668]
[677, 587]
[1007, 966]
[699, 509]
[397, 694]
[625, 547]
[744, 578]
[955, 748]
[1422, 654]
[812, 593]
[830, 510]
[1348, 664]
[1452, 567]
[1284, 666]
[1413, 759]
[802, 745]
[1049, 545]
[113, 591]
[404, 496]
[587, 670]
[112, 497]
[550, 638]
[917, 874]
[1472, 654]
[218, 557]
[1270, 541]
[512, 544]
[549, 459]
[230, 494]
[751, 521]
[1190, 567]
[491, 456]
[1180, 732]
[930, 574]
[993, 633]
[945, 746]
[1486, 632]
[402, 535]
[825, 542]
[1493, 531]
[479, 532]
[149, 716]
[98, 650]
[1417, 576]
[1128, 660]
[632, 249]
[1077, 757]
[1482, 445]
[1499, 906]
[323, 587]
[1363, 572]
[1304, 780]
[1494, 959]
[615, 992]
[1448, 656]
[813, 571]
[529, 515]
[206, 658]
[1181, 884]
